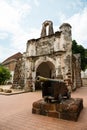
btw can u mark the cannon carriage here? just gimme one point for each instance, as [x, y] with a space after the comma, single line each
[53, 90]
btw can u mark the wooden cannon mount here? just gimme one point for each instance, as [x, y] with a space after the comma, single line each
[53, 90]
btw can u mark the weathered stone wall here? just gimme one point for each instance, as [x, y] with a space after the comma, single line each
[76, 71]
[84, 77]
[84, 82]
[19, 76]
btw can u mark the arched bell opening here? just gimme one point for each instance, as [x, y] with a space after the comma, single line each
[47, 28]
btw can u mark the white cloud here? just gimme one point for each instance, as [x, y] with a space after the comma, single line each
[1, 52]
[3, 35]
[79, 27]
[19, 41]
[75, 5]
[37, 3]
[78, 20]
[6, 52]
[11, 16]
[61, 16]
[21, 38]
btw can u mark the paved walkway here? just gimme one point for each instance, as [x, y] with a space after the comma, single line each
[16, 113]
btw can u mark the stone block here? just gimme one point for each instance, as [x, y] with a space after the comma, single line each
[37, 104]
[35, 111]
[70, 105]
[69, 116]
[68, 109]
[53, 114]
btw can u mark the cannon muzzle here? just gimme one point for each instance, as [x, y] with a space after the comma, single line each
[41, 79]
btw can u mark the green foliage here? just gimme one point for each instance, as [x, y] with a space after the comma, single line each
[4, 75]
[86, 57]
[79, 49]
[86, 53]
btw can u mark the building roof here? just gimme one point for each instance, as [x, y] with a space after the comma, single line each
[13, 57]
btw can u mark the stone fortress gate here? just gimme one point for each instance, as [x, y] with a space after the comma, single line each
[50, 56]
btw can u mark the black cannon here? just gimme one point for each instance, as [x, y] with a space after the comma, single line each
[53, 89]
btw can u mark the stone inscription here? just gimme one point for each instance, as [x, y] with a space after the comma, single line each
[43, 48]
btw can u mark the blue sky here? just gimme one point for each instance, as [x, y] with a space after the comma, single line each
[21, 20]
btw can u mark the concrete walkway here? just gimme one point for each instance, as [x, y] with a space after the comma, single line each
[16, 113]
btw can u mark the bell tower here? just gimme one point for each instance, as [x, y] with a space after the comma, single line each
[44, 30]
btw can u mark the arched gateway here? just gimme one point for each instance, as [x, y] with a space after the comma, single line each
[45, 69]
[49, 56]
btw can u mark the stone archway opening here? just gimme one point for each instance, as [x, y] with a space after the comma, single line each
[47, 30]
[45, 69]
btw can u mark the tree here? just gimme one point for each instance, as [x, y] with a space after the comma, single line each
[4, 75]
[86, 57]
[79, 49]
[86, 53]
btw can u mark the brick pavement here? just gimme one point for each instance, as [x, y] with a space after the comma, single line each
[16, 113]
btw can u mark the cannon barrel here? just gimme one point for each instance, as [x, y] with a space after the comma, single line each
[43, 79]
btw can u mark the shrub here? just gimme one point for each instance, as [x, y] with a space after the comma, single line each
[7, 90]
[1, 89]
